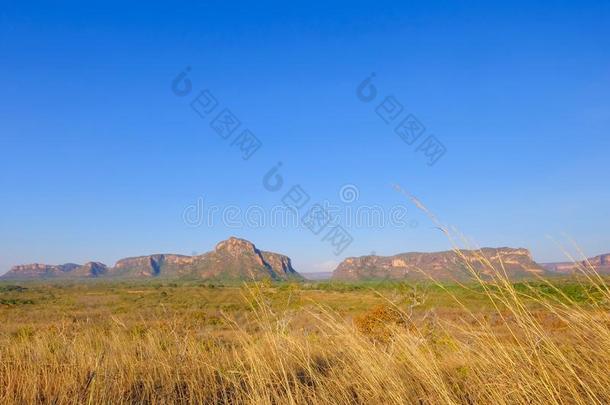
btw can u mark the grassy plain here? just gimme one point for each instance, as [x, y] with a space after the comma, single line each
[163, 342]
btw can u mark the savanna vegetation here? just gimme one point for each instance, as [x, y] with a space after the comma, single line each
[306, 343]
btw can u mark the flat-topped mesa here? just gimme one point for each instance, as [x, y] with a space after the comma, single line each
[505, 251]
[37, 270]
[149, 266]
[68, 270]
[440, 266]
[600, 264]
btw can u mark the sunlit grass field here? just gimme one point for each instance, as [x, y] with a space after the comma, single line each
[162, 342]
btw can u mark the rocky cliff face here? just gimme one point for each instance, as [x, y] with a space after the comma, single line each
[234, 258]
[441, 266]
[240, 259]
[600, 263]
[91, 269]
[151, 266]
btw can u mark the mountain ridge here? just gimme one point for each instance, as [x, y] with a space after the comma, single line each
[240, 259]
[233, 258]
[441, 266]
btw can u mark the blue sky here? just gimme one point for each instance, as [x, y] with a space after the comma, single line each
[99, 158]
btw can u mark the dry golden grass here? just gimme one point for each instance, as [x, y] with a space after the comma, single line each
[530, 349]
[512, 344]
[491, 342]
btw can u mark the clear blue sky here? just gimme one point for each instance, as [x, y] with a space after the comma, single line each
[99, 158]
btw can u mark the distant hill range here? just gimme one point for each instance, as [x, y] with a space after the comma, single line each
[600, 263]
[448, 265]
[239, 259]
[441, 266]
[233, 259]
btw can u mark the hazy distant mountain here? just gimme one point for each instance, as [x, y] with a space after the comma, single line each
[234, 258]
[40, 270]
[600, 263]
[442, 266]
[323, 275]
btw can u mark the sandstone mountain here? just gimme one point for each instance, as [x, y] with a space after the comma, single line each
[233, 259]
[91, 269]
[600, 263]
[441, 266]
